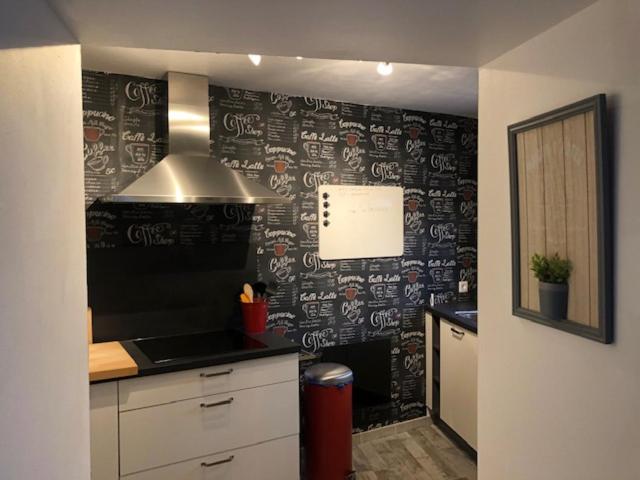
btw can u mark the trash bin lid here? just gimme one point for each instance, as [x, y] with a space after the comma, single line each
[328, 374]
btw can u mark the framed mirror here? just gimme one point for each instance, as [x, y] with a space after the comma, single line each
[561, 220]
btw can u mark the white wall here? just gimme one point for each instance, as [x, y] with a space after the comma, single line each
[44, 410]
[554, 406]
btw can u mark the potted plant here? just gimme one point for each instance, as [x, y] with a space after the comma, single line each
[552, 273]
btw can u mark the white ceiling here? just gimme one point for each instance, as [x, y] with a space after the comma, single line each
[430, 32]
[421, 87]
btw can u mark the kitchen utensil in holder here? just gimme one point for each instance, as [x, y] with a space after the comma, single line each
[254, 316]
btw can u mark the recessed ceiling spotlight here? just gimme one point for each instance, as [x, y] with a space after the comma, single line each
[255, 59]
[298, 58]
[385, 68]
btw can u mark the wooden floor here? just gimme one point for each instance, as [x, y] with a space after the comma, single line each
[423, 454]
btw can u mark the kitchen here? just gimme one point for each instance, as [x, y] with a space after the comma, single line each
[152, 266]
[270, 265]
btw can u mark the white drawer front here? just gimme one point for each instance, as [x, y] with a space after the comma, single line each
[174, 432]
[170, 387]
[274, 460]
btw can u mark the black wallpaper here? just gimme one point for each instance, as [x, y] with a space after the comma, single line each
[292, 145]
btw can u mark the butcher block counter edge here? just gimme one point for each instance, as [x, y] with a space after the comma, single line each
[108, 361]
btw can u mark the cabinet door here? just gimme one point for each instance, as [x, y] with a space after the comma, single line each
[104, 431]
[428, 326]
[459, 381]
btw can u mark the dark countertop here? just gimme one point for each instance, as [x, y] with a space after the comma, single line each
[448, 312]
[275, 345]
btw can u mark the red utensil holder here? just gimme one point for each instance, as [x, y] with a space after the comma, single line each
[254, 316]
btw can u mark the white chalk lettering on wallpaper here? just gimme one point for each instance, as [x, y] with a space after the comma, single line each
[291, 145]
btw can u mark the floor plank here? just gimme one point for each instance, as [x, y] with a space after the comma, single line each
[423, 453]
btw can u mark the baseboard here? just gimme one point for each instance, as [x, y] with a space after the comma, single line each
[387, 430]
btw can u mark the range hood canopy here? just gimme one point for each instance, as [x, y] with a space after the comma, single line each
[188, 174]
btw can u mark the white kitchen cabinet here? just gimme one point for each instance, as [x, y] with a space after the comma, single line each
[428, 326]
[104, 431]
[232, 421]
[459, 380]
[274, 460]
[173, 432]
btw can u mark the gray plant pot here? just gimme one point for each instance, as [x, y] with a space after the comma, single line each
[553, 300]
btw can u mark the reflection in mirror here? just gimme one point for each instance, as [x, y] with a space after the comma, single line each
[560, 220]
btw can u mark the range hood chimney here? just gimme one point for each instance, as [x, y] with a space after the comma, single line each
[189, 174]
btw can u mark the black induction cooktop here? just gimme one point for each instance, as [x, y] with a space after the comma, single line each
[167, 349]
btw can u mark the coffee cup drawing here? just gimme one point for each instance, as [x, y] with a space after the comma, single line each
[310, 230]
[280, 166]
[416, 153]
[283, 273]
[412, 348]
[280, 330]
[280, 249]
[412, 276]
[467, 195]
[234, 93]
[412, 204]
[380, 141]
[350, 293]
[353, 315]
[415, 297]
[98, 163]
[311, 309]
[94, 233]
[92, 133]
[284, 105]
[436, 204]
[352, 139]
[379, 291]
[437, 274]
[414, 132]
[438, 134]
[139, 153]
[312, 149]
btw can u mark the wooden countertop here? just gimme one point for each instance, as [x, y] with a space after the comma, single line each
[109, 360]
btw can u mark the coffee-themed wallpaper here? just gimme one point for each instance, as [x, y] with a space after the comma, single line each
[291, 145]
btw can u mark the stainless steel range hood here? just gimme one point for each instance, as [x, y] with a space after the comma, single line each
[188, 174]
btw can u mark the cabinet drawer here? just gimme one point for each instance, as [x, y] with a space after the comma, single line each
[274, 460]
[459, 380]
[174, 432]
[170, 387]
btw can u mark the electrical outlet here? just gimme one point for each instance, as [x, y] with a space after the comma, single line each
[463, 286]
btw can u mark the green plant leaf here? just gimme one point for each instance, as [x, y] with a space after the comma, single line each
[551, 269]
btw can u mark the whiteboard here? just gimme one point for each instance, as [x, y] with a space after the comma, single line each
[360, 221]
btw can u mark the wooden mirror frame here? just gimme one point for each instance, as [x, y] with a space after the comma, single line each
[603, 175]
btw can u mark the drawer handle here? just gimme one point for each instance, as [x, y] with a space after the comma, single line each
[216, 374]
[216, 404]
[219, 462]
[457, 332]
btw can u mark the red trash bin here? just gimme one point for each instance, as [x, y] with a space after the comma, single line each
[328, 418]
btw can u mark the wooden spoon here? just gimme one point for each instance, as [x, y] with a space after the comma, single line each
[248, 291]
